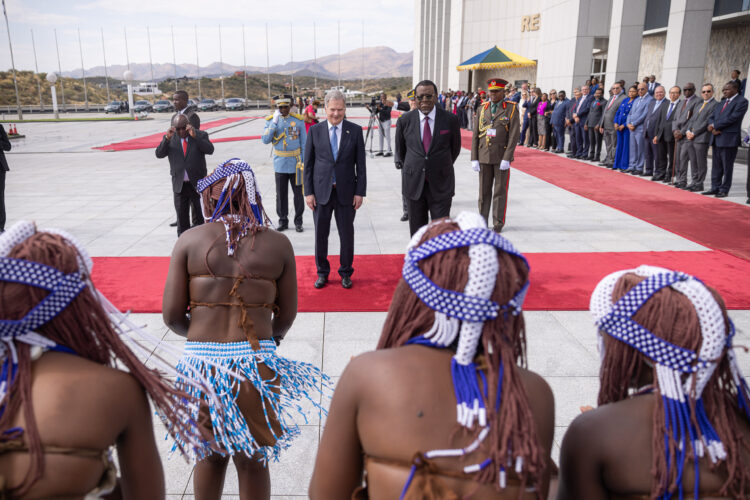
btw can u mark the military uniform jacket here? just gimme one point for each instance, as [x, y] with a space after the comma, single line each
[288, 137]
[495, 136]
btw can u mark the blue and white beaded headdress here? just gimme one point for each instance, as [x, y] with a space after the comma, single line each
[682, 374]
[231, 170]
[463, 314]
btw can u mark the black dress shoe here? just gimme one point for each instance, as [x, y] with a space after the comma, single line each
[590, 158]
[657, 178]
[722, 194]
[379, 154]
[680, 185]
[298, 228]
[346, 282]
[628, 171]
[602, 164]
[710, 192]
[404, 217]
[283, 227]
[174, 224]
[748, 201]
[386, 155]
[696, 187]
[320, 282]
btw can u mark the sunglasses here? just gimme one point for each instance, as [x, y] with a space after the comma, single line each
[689, 89]
[706, 91]
[180, 128]
[425, 97]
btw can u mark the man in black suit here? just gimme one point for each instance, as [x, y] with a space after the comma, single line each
[651, 164]
[664, 138]
[428, 141]
[726, 128]
[182, 107]
[186, 148]
[4, 146]
[335, 184]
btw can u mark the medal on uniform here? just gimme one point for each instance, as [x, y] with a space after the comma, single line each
[491, 132]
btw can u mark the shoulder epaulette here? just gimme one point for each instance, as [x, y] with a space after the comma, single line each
[269, 117]
[297, 116]
[486, 104]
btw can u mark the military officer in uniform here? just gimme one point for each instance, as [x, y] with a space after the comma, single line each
[286, 131]
[496, 134]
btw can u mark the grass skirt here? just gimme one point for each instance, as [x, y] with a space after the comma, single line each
[227, 365]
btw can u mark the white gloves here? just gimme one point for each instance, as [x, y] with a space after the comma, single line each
[276, 115]
[504, 165]
[475, 165]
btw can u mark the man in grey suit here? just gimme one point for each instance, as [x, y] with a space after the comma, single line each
[650, 128]
[636, 118]
[665, 137]
[607, 124]
[684, 151]
[699, 138]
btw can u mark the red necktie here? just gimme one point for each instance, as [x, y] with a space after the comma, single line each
[427, 134]
[184, 147]
[725, 106]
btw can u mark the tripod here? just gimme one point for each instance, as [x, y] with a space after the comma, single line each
[369, 136]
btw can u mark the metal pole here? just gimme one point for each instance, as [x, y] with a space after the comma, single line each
[127, 54]
[221, 69]
[13, 64]
[36, 68]
[339, 52]
[244, 61]
[174, 59]
[150, 61]
[83, 71]
[197, 64]
[104, 55]
[291, 49]
[59, 70]
[268, 67]
[315, 58]
[363, 55]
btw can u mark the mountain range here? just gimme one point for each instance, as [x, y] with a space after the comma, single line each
[379, 62]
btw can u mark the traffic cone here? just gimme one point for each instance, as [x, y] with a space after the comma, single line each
[15, 129]
[12, 129]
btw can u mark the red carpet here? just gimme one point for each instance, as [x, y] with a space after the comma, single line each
[153, 140]
[714, 223]
[559, 281]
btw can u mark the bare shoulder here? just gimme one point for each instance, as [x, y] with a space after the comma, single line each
[536, 385]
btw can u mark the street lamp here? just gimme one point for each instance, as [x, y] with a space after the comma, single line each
[52, 78]
[128, 76]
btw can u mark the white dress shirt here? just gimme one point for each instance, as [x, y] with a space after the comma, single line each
[431, 115]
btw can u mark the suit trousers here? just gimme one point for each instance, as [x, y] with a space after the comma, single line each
[595, 143]
[2, 199]
[700, 167]
[344, 214]
[533, 131]
[524, 128]
[426, 204]
[687, 154]
[681, 162]
[183, 201]
[385, 133]
[582, 141]
[650, 166]
[493, 187]
[404, 199]
[637, 149]
[282, 201]
[573, 144]
[560, 138]
[666, 159]
[722, 168]
[610, 140]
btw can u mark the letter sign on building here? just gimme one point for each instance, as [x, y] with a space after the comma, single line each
[530, 23]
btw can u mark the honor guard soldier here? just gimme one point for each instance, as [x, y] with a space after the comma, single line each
[496, 133]
[286, 131]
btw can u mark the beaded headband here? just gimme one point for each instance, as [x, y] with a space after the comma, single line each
[684, 412]
[231, 170]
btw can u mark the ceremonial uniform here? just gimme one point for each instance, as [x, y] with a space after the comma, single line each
[494, 141]
[288, 136]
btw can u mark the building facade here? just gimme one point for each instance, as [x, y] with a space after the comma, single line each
[572, 40]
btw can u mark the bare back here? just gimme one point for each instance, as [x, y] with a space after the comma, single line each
[392, 403]
[253, 293]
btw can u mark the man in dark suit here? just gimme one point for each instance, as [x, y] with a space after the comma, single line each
[428, 141]
[650, 125]
[335, 184]
[570, 123]
[530, 113]
[558, 120]
[665, 138]
[181, 107]
[726, 128]
[4, 146]
[698, 135]
[186, 148]
[596, 111]
[580, 114]
[652, 84]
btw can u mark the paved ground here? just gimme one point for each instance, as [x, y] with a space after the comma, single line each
[121, 204]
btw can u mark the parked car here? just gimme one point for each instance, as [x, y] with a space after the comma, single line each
[113, 107]
[163, 106]
[234, 104]
[141, 106]
[193, 102]
[208, 105]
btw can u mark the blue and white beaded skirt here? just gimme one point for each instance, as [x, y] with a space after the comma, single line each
[226, 366]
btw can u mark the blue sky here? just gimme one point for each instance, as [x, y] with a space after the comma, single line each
[387, 22]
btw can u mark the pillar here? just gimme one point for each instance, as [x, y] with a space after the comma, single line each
[687, 42]
[625, 37]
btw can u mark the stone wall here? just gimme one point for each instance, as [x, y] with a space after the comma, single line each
[652, 55]
[728, 49]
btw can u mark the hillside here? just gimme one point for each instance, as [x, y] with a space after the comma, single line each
[234, 86]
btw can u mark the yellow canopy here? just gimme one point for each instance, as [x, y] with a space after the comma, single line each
[495, 58]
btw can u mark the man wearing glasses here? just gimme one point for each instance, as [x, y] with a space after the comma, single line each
[699, 138]
[684, 151]
[428, 141]
[186, 148]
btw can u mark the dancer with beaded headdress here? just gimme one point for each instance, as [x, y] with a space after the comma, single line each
[674, 409]
[63, 402]
[232, 291]
[442, 409]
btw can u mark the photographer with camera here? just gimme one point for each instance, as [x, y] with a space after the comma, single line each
[381, 109]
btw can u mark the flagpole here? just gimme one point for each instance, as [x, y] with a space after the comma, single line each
[36, 68]
[150, 59]
[174, 59]
[315, 57]
[83, 71]
[59, 70]
[13, 64]
[104, 55]
[197, 64]
[339, 53]
[291, 48]
[268, 67]
[244, 62]
[127, 54]
[363, 55]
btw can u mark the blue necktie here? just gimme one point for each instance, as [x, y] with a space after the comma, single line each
[334, 150]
